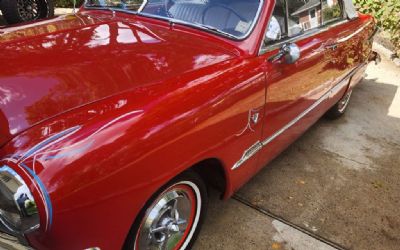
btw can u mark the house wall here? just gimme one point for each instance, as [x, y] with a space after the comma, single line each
[305, 21]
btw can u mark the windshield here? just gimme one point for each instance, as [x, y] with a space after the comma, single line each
[233, 18]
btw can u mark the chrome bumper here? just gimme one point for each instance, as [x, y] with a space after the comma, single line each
[375, 57]
[18, 211]
[11, 243]
[10, 240]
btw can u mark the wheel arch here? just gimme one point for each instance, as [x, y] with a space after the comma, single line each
[213, 173]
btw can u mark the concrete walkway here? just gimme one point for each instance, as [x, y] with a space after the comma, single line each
[234, 225]
[63, 11]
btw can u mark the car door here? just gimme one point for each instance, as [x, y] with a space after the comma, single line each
[294, 91]
[348, 43]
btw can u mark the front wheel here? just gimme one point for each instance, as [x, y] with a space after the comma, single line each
[17, 11]
[340, 107]
[172, 218]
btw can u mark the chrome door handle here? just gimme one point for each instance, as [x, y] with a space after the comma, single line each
[332, 46]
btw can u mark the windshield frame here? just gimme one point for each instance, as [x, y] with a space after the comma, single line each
[190, 24]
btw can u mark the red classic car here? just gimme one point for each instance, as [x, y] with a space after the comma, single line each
[115, 121]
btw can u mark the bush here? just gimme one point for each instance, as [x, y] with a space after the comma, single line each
[67, 3]
[387, 13]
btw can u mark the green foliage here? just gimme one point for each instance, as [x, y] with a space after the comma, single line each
[67, 3]
[387, 14]
[330, 13]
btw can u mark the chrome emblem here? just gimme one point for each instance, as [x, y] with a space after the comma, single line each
[254, 117]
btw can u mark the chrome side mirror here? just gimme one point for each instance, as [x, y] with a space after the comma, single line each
[290, 52]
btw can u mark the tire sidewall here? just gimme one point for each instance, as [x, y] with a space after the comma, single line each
[336, 112]
[189, 176]
[11, 14]
[46, 8]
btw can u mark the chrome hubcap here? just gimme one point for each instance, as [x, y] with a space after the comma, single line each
[168, 220]
[344, 101]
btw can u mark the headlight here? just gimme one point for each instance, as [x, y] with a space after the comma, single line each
[18, 211]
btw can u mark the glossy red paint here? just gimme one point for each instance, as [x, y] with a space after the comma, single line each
[107, 109]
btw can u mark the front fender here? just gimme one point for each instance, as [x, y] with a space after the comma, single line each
[84, 176]
[98, 164]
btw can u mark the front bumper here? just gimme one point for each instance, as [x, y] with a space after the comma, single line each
[9, 238]
[18, 211]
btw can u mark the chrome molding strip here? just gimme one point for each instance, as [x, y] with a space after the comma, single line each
[298, 118]
[248, 154]
[326, 96]
[259, 145]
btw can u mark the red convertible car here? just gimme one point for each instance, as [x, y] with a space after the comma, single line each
[115, 121]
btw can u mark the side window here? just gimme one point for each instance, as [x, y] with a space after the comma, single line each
[277, 24]
[303, 15]
[293, 17]
[331, 11]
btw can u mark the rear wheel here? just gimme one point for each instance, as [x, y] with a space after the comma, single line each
[340, 107]
[172, 218]
[16, 11]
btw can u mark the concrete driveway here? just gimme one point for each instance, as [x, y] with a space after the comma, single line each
[337, 186]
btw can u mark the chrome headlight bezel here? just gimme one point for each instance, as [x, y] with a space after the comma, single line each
[18, 209]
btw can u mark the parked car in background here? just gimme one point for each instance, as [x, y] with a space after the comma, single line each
[18, 11]
[116, 120]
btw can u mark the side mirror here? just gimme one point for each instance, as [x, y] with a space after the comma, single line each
[290, 51]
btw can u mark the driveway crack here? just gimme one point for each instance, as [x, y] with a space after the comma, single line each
[288, 223]
[340, 156]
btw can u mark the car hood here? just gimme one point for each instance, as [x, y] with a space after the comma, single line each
[56, 65]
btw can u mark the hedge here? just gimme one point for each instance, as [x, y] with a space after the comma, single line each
[67, 3]
[387, 13]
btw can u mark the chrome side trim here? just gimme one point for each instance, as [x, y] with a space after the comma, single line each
[259, 145]
[298, 118]
[326, 96]
[248, 154]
